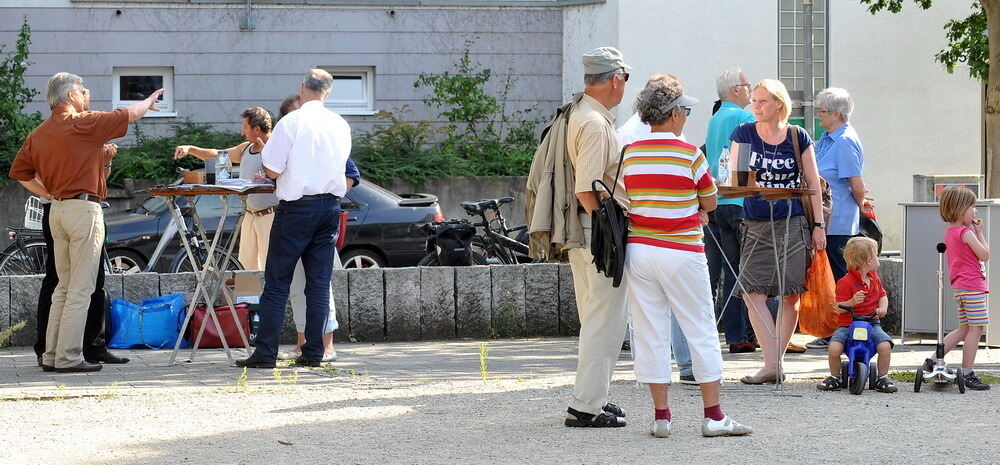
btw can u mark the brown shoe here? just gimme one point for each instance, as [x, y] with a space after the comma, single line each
[795, 348]
[742, 348]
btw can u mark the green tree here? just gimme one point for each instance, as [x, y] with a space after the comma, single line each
[970, 43]
[15, 125]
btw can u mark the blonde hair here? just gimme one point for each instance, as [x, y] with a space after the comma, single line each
[779, 92]
[955, 200]
[858, 250]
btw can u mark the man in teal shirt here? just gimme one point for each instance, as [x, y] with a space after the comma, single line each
[722, 235]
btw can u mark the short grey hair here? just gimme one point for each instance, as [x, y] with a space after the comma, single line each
[835, 99]
[594, 79]
[729, 79]
[655, 103]
[318, 80]
[59, 87]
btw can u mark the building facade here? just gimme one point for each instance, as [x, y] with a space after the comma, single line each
[217, 58]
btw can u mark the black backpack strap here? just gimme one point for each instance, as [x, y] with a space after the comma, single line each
[618, 172]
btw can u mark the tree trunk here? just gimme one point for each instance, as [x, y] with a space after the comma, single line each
[991, 107]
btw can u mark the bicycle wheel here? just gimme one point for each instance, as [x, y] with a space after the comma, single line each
[431, 259]
[24, 260]
[181, 264]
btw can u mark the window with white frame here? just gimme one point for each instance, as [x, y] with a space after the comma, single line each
[132, 84]
[353, 90]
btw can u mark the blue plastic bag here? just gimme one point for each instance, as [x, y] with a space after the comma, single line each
[155, 324]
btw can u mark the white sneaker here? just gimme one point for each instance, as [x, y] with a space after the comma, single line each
[660, 428]
[330, 357]
[290, 354]
[724, 427]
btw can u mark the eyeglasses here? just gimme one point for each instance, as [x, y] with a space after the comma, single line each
[747, 85]
[820, 110]
[687, 110]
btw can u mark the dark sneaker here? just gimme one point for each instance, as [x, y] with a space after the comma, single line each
[973, 382]
[255, 361]
[831, 383]
[688, 379]
[882, 384]
[819, 343]
[929, 365]
[742, 348]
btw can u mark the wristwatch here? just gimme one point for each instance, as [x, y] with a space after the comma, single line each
[819, 224]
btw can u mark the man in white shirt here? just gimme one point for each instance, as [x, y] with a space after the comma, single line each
[307, 156]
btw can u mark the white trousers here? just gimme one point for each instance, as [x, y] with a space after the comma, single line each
[602, 323]
[297, 295]
[663, 282]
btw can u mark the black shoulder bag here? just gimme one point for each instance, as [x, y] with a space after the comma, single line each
[609, 230]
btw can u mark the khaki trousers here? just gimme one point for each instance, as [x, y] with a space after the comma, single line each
[255, 234]
[77, 235]
[603, 318]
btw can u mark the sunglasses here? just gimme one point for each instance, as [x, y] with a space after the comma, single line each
[623, 76]
[687, 110]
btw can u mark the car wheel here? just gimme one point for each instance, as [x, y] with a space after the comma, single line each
[123, 261]
[362, 258]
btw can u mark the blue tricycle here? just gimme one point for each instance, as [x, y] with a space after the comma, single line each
[859, 348]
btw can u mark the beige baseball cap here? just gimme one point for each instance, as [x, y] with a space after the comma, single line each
[603, 60]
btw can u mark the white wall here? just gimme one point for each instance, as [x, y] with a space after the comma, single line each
[585, 28]
[913, 117]
[696, 40]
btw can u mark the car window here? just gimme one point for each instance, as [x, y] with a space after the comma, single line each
[210, 206]
[154, 206]
[348, 203]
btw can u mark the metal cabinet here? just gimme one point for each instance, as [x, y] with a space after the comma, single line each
[923, 230]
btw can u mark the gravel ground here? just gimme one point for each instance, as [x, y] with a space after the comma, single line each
[427, 403]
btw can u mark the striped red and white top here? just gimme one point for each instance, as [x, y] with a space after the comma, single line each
[664, 178]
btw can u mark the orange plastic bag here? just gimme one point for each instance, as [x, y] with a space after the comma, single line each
[816, 309]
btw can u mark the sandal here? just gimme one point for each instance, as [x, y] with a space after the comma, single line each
[613, 409]
[578, 419]
[882, 384]
[831, 383]
[769, 378]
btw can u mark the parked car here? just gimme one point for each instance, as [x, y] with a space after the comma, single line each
[381, 230]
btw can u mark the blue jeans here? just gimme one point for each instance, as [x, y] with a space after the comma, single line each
[306, 229]
[835, 253]
[724, 225]
[679, 346]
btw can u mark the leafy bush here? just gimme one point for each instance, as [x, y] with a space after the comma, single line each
[15, 125]
[152, 157]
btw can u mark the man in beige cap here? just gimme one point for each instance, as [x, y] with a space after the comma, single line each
[592, 148]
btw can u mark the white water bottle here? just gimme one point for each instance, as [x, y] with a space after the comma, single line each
[723, 177]
[223, 166]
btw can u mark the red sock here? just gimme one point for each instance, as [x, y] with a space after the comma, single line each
[715, 412]
[661, 414]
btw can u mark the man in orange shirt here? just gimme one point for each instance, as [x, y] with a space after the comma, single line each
[65, 160]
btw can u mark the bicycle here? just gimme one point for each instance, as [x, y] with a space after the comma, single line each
[28, 252]
[493, 245]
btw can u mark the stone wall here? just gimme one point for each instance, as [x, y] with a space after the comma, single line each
[406, 304]
[388, 304]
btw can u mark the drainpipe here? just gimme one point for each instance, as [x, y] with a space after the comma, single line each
[246, 24]
[808, 93]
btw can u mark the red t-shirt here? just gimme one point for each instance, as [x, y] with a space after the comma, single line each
[850, 284]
